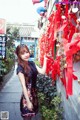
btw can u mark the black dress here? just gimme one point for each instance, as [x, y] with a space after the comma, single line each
[32, 91]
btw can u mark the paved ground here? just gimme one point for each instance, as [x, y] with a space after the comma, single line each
[10, 98]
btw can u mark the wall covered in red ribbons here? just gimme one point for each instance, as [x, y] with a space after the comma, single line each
[59, 35]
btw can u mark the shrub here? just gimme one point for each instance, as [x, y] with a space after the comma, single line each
[49, 100]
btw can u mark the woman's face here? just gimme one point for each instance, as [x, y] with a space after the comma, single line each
[24, 54]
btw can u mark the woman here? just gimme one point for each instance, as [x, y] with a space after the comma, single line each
[27, 72]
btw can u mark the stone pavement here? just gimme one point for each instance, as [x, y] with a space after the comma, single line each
[10, 98]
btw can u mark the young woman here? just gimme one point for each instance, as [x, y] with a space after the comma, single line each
[27, 72]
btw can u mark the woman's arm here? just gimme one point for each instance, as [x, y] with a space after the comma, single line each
[22, 80]
[43, 69]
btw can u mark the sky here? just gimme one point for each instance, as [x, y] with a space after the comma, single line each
[19, 11]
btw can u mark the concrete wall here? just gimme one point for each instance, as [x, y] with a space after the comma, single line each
[72, 104]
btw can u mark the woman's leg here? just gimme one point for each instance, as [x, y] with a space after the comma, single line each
[27, 118]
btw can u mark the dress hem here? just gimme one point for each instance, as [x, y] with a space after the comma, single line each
[28, 114]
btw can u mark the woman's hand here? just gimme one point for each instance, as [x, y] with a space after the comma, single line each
[43, 69]
[30, 105]
[45, 58]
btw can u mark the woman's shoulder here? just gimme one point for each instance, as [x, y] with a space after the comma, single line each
[19, 66]
[19, 69]
[33, 66]
[31, 62]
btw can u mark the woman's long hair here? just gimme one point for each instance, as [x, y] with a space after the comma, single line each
[20, 50]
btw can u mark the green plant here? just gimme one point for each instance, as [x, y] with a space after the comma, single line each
[6, 65]
[37, 62]
[49, 100]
